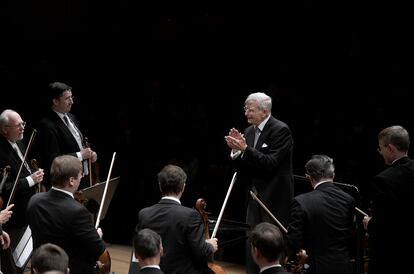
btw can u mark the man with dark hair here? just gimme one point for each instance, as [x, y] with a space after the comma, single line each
[59, 134]
[148, 251]
[186, 251]
[267, 248]
[49, 257]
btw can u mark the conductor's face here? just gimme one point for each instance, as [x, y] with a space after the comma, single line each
[253, 113]
[64, 103]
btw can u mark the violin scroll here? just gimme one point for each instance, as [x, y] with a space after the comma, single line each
[200, 206]
[35, 167]
[300, 266]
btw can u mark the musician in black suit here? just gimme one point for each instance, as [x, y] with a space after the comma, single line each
[263, 156]
[12, 150]
[56, 217]
[148, 251]
[186, 251]
[49, 258]
[321, 221]
[392, 192]
[268, 248]
[59, 134]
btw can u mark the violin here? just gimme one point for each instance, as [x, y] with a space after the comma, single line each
[200, 207]
[78, 195]
[41, 187]
[5, 173]
[93, 167]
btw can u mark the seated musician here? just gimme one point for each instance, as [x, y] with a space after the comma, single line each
[186, 251]
[49, 258]
[148, 251]
[56, 217]
[267, 248]
[321, 221]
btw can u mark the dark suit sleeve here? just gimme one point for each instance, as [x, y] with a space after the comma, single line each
[86, 235]
[296, 227]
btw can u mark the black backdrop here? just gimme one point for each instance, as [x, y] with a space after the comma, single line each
[163, 83]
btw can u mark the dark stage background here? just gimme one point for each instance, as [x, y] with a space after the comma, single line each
[164, 83]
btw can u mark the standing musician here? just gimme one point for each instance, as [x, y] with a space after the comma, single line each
[56, 217]
[59, 134]
[263, 156]
[392, 191]
[186, 250]
[12, 151]
[321, 221]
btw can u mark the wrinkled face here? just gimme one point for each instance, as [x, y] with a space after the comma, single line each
[15, 128]
[385, 151]
[253, 113]
[64, 102]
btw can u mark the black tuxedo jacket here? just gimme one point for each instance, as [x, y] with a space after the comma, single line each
[57, 218]
[182, 232]
[276, 269]
[150, 270]
[54, 139]
[268, 168]
[322, 223]
[23, 192]
[390, 228]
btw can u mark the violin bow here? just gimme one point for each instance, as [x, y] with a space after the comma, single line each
[104, 193]
[268, 211]
[213, 235]
[360, 211]
[21, 166]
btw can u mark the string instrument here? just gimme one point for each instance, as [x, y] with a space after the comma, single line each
[93, 167]
[200, 206]
[78, 195]
[41, 187]
[300, 266]
[104, 261]
[20, 168]
[5, 173]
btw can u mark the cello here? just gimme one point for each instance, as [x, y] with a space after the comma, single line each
[200, 207]
[104, 261]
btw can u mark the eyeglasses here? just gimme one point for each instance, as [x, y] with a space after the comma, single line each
[251, 110]
[20, 125]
